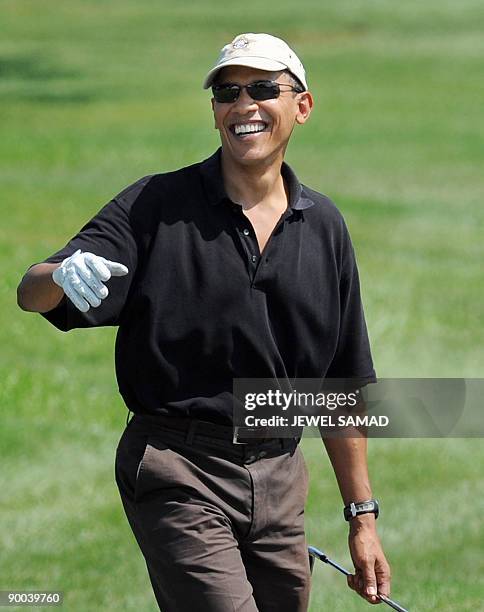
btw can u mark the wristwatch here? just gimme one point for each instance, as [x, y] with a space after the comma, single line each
[355, 508]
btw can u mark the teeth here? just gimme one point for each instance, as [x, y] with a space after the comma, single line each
[249, 128]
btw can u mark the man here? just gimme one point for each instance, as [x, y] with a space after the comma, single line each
[228, 268]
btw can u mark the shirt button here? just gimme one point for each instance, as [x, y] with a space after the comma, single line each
[246, 232]
[254, 258]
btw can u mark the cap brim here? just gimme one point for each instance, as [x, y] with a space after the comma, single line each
[260, 63]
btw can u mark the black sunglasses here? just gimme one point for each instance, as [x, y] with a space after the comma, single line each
[258, 90]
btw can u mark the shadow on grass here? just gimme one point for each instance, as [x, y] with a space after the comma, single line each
[52, 97]
[40, 79]
[33, 67]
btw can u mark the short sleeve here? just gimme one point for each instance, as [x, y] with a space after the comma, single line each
[108, 234]
[352, 359]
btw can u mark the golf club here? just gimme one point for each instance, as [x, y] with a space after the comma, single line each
[315, 553]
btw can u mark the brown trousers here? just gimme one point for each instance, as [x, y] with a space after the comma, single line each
[221, 526]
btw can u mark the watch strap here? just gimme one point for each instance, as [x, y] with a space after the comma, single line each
[364, 507]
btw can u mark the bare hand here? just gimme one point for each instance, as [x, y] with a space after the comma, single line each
[372, 572]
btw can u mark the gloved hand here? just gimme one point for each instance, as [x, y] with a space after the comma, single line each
[81, 276]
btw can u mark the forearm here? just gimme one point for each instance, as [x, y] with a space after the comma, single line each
[348, 457]
[37, 292]
[349, 460]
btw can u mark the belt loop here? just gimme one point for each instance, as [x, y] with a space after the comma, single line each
[191, 431]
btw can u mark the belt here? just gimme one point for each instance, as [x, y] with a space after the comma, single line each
[194, 427]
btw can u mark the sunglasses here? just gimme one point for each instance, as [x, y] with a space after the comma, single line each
[258, 90]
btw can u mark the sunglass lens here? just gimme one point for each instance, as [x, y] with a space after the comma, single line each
[226, 93]
[263, 90]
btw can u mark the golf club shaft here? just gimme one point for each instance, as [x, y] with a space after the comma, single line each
[391, 603]
[319, 554]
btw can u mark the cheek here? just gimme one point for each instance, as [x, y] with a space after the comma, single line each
[283, 125]
[219, 117]
[216, 116]
[282, 117]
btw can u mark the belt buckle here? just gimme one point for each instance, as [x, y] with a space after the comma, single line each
[235, 437]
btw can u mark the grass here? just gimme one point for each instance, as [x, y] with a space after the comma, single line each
[94, 95]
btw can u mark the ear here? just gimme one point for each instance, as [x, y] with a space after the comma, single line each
[305, 103]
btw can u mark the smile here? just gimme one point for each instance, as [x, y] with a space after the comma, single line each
[243, 129]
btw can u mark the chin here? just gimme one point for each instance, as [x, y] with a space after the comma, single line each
[251, 156]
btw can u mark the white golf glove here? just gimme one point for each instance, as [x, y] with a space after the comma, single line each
[81, 276]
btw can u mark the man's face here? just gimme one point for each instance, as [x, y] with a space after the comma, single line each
[276, 118]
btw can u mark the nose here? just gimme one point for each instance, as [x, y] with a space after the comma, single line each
[245, 103]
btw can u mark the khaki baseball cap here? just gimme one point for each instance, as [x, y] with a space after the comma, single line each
[261, 51]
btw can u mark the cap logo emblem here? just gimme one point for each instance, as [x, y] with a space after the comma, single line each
[241, 43]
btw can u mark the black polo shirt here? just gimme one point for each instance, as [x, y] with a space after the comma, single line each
[202, 306]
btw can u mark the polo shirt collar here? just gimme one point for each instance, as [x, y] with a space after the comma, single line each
[211, 171]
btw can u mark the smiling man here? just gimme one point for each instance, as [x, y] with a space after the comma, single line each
[229, 268]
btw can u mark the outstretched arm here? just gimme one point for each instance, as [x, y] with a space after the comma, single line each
[348, 457]
[80, 277]
[37, 292]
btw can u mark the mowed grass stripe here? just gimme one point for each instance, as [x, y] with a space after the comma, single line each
[61, 505]
[425, 547]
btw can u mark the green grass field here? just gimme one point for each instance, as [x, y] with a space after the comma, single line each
[96, 94]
